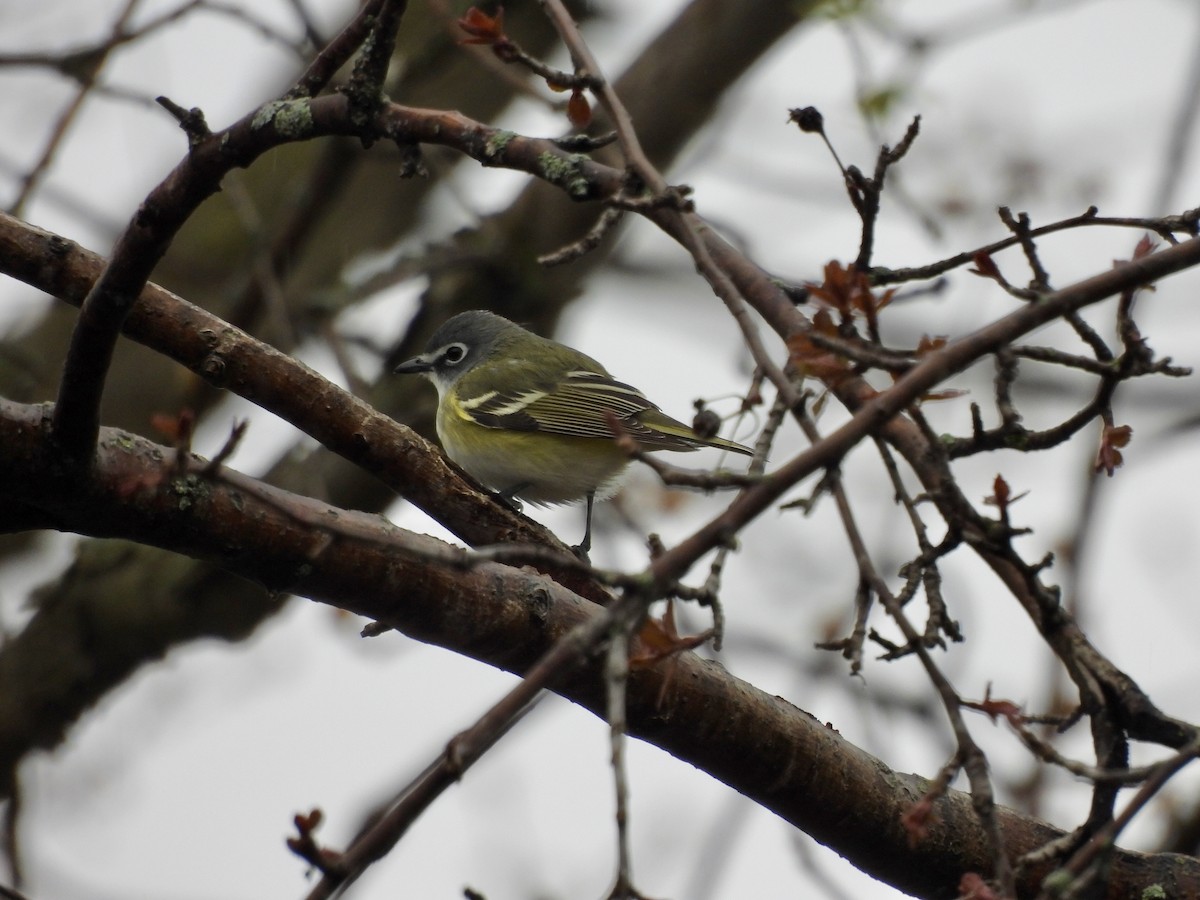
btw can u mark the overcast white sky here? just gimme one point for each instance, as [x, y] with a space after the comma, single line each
[182, 784]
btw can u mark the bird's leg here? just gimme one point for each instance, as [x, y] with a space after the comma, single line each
[509, 497]
[586, 544]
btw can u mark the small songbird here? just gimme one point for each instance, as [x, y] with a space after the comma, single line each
[530, 417]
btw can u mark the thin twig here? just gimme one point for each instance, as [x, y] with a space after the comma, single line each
[87, 76]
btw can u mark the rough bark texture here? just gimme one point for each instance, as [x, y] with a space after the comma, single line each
[774, 753]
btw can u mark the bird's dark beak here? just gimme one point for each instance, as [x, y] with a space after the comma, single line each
[415, 366]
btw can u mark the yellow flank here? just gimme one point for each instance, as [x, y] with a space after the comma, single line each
[539, 467]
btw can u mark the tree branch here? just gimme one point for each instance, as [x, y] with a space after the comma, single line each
[760, 745]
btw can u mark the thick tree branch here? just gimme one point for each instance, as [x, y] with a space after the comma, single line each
[229, 358]
[878, 411]
[350, 199]
[147, 237]
[874, 412]
[757, 744]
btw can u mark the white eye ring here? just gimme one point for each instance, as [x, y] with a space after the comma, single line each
[454, 354]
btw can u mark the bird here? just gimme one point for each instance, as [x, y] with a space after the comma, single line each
[532, 418]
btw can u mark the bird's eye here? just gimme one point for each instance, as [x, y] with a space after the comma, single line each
[454, 353]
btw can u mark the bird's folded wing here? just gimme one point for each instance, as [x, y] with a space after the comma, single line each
[578, 406]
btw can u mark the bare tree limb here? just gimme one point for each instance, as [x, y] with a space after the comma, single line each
[758, 744]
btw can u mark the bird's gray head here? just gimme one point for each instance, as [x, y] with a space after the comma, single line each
[460, 344]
